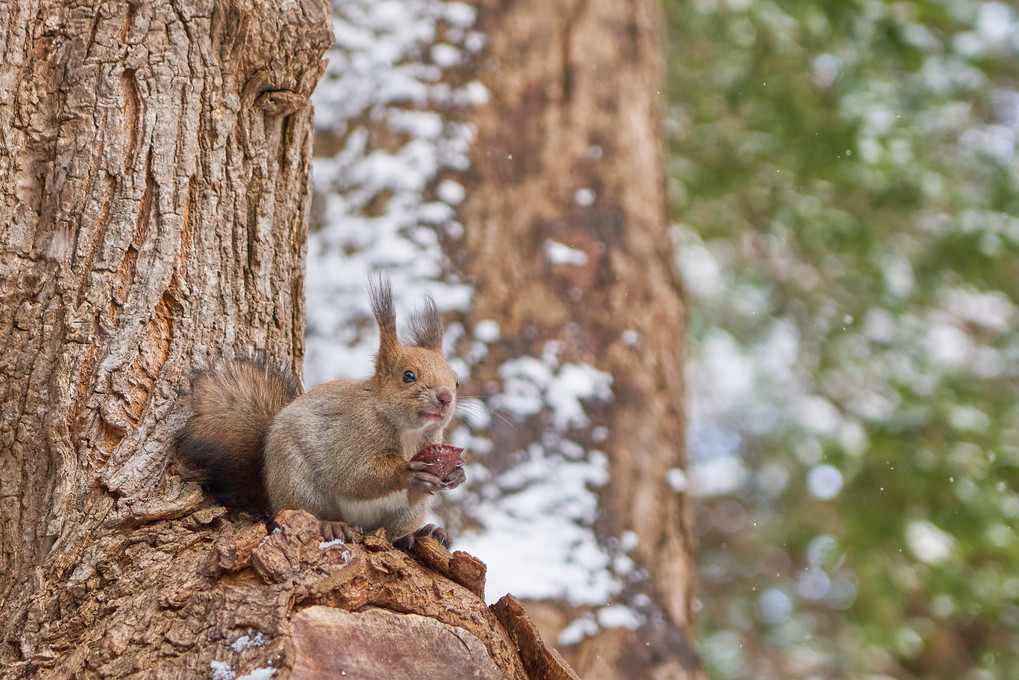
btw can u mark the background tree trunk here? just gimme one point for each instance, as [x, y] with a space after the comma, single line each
[570, 150]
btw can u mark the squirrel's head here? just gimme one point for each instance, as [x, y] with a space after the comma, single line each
[418, 383]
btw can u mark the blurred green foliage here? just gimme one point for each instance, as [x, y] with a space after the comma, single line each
[846, 183]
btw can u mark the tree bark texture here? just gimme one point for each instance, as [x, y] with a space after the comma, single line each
[570, 149]
[154, 161]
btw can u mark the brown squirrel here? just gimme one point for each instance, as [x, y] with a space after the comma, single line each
[342, 451]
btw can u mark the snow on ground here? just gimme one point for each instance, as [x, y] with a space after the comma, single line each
[221, 670]
[259, 674]
[537, 540]
[538, 531]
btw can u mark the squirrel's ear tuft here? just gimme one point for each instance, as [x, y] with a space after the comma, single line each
[426, 326]
[380, 293]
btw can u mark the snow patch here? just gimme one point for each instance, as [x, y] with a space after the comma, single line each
[537, 537]
[676, 479]
[560, 253]
[259, 674]
[717, 475]
[221, 670]
[588, 623]
[247, 641]
[630, 337]
[618, 616]
[583, 197]
[325, 545]
[451, 192]
[578, 629]
[266, 537]
[486, 330]
[531, 385]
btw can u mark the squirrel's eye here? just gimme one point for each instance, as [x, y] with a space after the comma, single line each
[408, 376]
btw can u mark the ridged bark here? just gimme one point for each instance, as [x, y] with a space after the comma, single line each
[154, 191]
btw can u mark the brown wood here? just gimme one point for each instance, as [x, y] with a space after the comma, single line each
[183, 597]
[540, 660]
[332, 643]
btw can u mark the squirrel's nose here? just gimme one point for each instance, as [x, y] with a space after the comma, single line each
[444, 395]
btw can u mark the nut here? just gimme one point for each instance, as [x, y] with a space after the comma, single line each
[441, 458]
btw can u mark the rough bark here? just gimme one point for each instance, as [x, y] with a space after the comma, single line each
[576, 106]
[154, 188]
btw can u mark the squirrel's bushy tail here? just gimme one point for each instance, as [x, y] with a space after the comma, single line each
[234, 403]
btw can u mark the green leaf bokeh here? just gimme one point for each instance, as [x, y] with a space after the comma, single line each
[845, 183]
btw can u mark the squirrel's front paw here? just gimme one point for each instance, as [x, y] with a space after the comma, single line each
[454, 478]
[418, 479]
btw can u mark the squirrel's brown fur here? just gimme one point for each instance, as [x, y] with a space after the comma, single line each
[340, 451]
[234, 404]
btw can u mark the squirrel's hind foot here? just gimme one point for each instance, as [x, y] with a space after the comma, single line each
[427, 531]
[332, 531]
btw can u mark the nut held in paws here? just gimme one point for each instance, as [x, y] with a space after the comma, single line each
[441, 458]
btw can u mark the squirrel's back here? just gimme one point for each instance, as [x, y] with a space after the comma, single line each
[234, 404]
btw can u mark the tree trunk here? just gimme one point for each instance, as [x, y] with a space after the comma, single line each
[154, 174]
[566, 236]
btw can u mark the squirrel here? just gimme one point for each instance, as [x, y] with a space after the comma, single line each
[342, 451]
